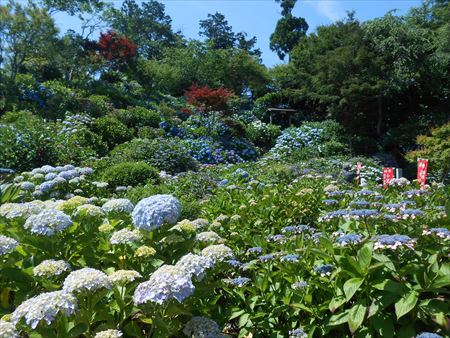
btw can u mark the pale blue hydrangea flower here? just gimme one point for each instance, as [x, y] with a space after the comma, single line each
[195, 264]
[125, 236]
[299, 285]
[291, 258]
[218, 252]
[298, 333]
[111, 333]
[69, 174]
[27, 186]
[428, 335]
[165, 283]
[266, 258]
[238, 281]
[234, 263]
[51, 268]
[48, 222]
[86, 279]
[7, 245]
[50, 176]
[150, 213]
[8, 330]
[45, 307]
[201, 327]
[411, 213]
[46, 187]
[118, 205]
[14, 211]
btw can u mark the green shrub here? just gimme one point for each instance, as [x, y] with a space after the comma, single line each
[25, 141]
[95, 105]
[130, 174]
[138, 117]
[436, 148]
[112, 131]
[262, 134]
[78, 147]
[164, 154]
[149, 132]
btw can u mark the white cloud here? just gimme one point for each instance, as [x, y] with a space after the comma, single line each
[332, 10]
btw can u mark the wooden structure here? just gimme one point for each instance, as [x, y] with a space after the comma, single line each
[285, 114]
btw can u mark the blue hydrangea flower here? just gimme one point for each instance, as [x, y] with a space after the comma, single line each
[411, 213]
[330, 201]
[234, 263]
[7, 245]
[428, 335]
[150, 213]
[360, 203]
[239, 281]
[438, 232]
[362, 213]
[292, 258]
[324, 270]
[298, 333]
[277, 238]
[48, 222]
[167, 282]
[393, 242]
[353, 239]
[265, 258]
[299, 285]
[256, 249]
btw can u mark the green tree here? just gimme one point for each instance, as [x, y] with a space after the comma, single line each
[25, 31]
[289, 30]
[147, 25]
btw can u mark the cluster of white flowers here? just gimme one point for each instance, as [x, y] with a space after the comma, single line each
[399, 182]
[111, 333]
[86, 279]
[218, 252]
[125, 236]
[45, 306]
[124, 276]
[118, 205]
[50, 268]
[200, 223]
[7, 244]
[15, 211]
[8, 330]
[150, 213]
[48, 222]
[208, 236]
[165, 283]
[145, 251]
[89, 210]
[202, 327]
[195, 264]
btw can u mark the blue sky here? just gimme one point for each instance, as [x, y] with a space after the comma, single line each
[259, 17]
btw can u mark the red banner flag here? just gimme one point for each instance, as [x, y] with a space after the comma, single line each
[388, 175]
[358, 172]
[422, 169]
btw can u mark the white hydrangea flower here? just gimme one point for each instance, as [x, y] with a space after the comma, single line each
[7, 245]
[89, 210]
[118, 205]
[145, 251]
[15, 211]
[202, 327]
[50, 268]
[48, 222]
[109, 334]
[150, 213]
[8, 330]
[195, 264]
[125, 236]
[124, 276]
[165, 283]
[208, 236]
[200, 223]
[86, 279]
[218, 252]
[45, 306]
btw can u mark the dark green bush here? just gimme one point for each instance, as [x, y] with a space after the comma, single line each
[112, 131]
[149, 132]
[138, 117]
[130, 174]
[164, 154]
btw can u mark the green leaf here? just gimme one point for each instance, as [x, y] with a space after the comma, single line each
[350, 266]
[243, 319]
[351, 286]
[406, 304]
[389, 286]
[77, 330]
[356, 316]
[338, 319]
[365, 256]
[441, 281]
[383, 324]
[336, 302]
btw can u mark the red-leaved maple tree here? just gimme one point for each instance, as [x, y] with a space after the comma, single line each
[208, 99]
